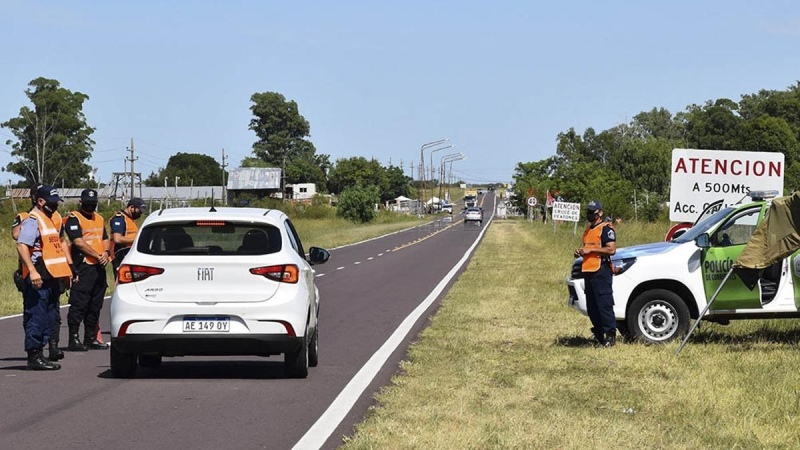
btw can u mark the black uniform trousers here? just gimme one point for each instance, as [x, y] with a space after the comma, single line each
[600, 300]
[86, 298]
[41, 310]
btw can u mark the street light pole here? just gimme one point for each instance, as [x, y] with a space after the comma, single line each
[445, 159]
[451, 176]
[422, 165]
[433, 170]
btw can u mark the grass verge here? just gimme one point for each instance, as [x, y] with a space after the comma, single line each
[506, 364]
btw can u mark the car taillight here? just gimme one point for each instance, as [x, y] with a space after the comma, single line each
[285, 273]
[129, 273]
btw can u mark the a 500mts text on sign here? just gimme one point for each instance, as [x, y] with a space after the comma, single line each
[701, 177]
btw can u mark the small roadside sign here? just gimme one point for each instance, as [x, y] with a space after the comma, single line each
[570, 212]
[531, 201]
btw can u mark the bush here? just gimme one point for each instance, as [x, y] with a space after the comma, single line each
[357, 203]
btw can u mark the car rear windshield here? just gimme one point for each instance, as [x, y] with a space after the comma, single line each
[209, 237]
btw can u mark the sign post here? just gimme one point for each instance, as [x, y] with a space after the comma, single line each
[531, 202]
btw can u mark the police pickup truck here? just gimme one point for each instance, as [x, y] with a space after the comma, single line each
[659, 287]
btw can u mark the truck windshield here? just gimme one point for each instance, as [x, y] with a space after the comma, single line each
[703, 227]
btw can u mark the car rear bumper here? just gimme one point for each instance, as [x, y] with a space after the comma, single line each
[207, 345]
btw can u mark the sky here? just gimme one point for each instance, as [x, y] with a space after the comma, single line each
[499, 79]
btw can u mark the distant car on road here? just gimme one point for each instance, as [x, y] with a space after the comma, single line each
[473, 215]
[224, 281]
[447, 208]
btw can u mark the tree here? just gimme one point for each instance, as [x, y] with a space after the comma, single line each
[657, 123]
[53, 139]
[357, 170]
[715, 126]
[398, 184]
[769, 134]
[282, 132]
[357, 203]
[190, 168]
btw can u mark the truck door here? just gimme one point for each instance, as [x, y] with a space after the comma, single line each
[727, 242]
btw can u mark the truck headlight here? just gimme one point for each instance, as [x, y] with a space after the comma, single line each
[621, 265]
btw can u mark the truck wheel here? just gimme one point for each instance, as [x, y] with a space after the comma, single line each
[658, 316]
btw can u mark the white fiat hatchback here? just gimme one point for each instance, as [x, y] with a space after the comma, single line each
[216, 281]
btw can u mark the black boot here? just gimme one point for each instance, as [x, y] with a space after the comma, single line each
[37, 361]
[611, 339]
[93, 344]
[75, 344]
[599, 339]
[55, 353]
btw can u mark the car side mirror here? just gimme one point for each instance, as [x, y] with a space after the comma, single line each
[702, 241]
[318, 255]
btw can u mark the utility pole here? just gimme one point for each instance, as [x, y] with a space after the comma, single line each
[283, 180]
[132, 159]
[224, 185]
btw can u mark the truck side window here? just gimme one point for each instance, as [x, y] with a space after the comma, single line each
[736, 230]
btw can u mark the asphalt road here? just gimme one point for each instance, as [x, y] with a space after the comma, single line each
[367, 291]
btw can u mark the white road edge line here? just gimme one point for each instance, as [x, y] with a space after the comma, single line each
[20, 315]
[316, 436]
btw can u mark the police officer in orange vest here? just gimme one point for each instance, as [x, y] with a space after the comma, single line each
[599, 243]
[90, 254]
[46, 267]
[124, 230]
[55, 353]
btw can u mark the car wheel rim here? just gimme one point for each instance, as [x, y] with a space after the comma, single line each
[658, 320]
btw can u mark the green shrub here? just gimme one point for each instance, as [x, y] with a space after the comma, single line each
[357, 203]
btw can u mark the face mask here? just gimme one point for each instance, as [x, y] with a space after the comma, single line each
[50, 208]
[591, 216]
[89, 207]
[136, 214]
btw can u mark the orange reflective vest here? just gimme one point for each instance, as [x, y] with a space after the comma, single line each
[130, 229]
[92, 230]
[591, 240]
[53, 255]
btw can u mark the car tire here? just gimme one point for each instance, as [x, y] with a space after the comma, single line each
[150, 360]
[658, 316]
[313, 350]
[295, 364]
[123, 365]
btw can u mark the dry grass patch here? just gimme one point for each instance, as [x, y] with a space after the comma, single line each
[506, 364]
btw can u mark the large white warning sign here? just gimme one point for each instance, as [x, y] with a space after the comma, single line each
[702, 177]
